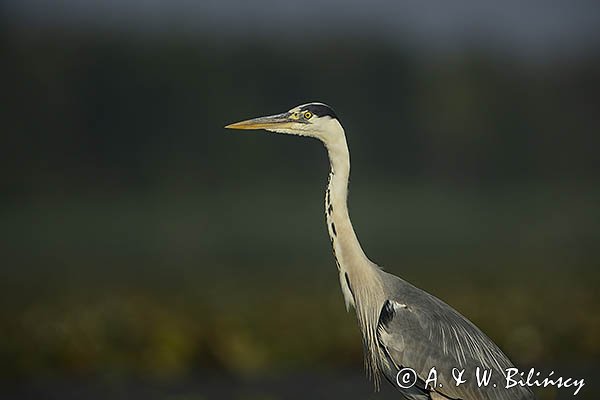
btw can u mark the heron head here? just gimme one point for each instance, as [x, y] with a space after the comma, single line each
[311, 119]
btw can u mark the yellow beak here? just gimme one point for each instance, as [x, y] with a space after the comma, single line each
[271, 122]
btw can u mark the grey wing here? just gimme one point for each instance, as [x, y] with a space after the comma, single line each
[420, 332]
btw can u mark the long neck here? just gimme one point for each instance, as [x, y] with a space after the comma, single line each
[353, 264]
[344, 240]
[358, 275]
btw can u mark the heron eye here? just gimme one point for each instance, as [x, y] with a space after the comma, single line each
[307, 115]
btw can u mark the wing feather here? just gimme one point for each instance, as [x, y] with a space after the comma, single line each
[419, 331]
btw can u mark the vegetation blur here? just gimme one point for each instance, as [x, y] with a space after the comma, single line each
[147, 252]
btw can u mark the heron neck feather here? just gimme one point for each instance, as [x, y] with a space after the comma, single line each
[359, 277]
[341, 231]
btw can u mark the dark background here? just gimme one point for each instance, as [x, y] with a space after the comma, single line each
[149, 253]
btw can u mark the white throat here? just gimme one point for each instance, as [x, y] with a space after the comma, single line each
[350, 258]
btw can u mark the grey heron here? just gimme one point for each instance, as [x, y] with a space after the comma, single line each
[405, 330]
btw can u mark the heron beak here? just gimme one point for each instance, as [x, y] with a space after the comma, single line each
[278, 121]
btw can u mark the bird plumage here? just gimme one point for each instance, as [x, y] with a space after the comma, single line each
[402, 326]
[420, 331]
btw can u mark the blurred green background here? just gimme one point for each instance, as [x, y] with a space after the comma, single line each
[149, 253]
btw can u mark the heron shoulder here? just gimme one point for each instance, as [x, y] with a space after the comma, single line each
[419, 331]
